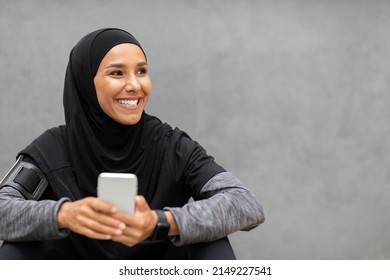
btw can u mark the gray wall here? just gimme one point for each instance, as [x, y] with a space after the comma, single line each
[290, 95]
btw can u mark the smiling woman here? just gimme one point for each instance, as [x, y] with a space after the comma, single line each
[50, 193]
[122, 83]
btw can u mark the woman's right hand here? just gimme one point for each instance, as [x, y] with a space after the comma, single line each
[91, 217]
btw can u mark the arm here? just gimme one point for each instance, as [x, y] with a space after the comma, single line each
[23, 217]
[27, 220]
[222, 207]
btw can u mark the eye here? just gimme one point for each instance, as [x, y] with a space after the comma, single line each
[142, 71]
[116, 73]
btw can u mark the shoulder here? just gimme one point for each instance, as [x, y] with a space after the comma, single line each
[50, 149]
[175, 141]
[153, 123]
[53, 138]
[53, 134]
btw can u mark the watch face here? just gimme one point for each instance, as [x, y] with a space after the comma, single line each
[161, 231]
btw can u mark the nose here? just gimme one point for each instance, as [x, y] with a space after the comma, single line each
[132, 84]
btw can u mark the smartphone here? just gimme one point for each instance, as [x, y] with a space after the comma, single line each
[119, 189]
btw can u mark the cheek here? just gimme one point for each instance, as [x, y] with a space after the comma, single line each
[146, 86]
[107, 89]
[104, 94]
[102, 102]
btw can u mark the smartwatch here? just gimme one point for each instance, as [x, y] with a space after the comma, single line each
[162, 227]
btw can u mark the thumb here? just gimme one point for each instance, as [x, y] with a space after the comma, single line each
[141, 204]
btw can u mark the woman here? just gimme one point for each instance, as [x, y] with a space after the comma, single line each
[50, 193]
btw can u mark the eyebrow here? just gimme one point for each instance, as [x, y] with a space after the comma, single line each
[122, 65]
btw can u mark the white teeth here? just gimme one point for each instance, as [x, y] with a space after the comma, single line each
[126, 102]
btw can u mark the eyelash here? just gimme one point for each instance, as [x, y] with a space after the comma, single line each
[140, 71]
[116, 73]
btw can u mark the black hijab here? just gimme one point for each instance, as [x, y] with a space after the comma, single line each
[95, 143]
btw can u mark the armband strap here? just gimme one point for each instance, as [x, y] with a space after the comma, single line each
[26, 178]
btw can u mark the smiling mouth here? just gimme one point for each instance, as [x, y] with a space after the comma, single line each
[128, 103]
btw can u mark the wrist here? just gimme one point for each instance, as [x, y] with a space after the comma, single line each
[61, 215]
[162, 226]
[173, 230]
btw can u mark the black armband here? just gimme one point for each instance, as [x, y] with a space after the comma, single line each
[26, 178]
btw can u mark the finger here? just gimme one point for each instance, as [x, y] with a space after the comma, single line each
[93, 234]
[127, 219]
[130, 239]
[141, 204]
[86, 215]
[125, 241]
[101, 225]
[102, 206]
[107, 224]
[103, 212]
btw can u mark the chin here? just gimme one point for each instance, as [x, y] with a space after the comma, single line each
[130, 121]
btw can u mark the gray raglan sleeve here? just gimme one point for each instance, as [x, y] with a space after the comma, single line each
[223, 206]
[28, 220]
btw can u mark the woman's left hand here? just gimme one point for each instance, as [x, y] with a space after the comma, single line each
[139, 226]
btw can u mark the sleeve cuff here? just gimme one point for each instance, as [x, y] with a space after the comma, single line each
[63, 232]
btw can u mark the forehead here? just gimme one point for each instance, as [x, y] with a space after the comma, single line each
[125, 52]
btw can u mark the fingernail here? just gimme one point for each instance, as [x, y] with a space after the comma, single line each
[122, 226]
[118, 232]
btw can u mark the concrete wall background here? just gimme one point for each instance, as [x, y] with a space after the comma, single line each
[290, 95]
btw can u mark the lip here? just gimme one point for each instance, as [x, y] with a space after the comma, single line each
[127, 107]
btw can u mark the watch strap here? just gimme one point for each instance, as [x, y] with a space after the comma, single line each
[162, 227]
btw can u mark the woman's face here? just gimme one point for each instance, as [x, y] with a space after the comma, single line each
[123, 84]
